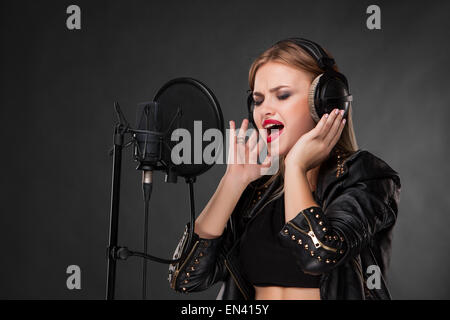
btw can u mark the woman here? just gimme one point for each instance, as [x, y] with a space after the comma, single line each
[321, 227]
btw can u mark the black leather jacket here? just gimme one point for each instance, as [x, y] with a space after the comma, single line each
[343, 239]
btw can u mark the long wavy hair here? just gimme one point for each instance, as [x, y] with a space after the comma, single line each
[294, 56]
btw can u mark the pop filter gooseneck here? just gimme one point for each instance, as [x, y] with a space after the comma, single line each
[181, 104]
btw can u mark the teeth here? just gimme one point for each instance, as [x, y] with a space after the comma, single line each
[271, 125]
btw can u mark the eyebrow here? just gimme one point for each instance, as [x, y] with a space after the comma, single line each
[271, 90]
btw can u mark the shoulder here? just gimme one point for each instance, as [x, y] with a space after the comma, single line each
[370, 176]
[361, 169]
[364, 165]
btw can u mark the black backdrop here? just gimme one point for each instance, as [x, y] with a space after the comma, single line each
[57, 93]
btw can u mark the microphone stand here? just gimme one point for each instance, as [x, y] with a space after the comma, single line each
[115, 252]
[114, 213]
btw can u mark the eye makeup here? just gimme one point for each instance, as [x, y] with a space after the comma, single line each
[283, 96]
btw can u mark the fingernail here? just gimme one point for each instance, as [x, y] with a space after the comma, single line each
[337, 111]
[326, 115]
[343, 121]
[342, 112]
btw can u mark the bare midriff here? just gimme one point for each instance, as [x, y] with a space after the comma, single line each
[286, 293]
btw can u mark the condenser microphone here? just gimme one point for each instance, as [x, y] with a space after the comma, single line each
[148, 137]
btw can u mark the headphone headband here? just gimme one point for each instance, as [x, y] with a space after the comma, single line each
[315, 51]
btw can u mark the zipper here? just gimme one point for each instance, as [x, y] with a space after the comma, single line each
[312, 235]
[177, 271]
[235, 280]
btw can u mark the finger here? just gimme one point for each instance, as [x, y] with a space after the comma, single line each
[260, 145]
[241, 146]
[321, 123]
[262, 137]
[252, 140]
[334, 128]
[243, 128]
[329, 123]
[338, 134]
[232, 143]
[251, 150]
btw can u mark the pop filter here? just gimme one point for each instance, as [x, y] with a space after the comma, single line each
[188, 106]
[181, 112]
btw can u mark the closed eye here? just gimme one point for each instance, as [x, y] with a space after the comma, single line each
[282, 97]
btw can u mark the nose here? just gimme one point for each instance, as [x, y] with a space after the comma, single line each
[264, 110]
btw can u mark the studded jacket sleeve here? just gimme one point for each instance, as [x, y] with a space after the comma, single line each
[322, 239]
[203, 264]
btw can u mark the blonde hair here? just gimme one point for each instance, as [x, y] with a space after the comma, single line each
[292, 55]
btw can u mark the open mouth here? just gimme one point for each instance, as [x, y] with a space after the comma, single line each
[274, 134]
[274, 129]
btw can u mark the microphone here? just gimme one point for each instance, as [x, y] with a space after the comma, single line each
[147, 151]
[177, 105]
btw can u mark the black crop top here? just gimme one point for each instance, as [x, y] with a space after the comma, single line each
[265, 262]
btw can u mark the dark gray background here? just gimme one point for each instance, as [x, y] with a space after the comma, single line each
[57, 119]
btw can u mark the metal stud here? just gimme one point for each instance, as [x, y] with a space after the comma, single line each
[188, 274]
[341, 251]
[334, 261]
[192, 268]
[342, 239]
[299, 241]
[335, 237]
[196, 261]
[320, 223]
[293, 237]
[306, 246]
[311, 210]
[286, 231]
[186, 281]
[201, 254]
[324, 229]
[184, 289]
[312, 253]
[319, 258]
[327, 261]
[317, 216]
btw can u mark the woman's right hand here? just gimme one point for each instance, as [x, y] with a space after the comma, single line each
[242, 158]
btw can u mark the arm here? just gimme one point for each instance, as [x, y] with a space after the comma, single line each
[213, 219]
[204, 262]
[322, 240]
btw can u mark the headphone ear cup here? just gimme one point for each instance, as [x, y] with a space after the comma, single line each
[311, 97]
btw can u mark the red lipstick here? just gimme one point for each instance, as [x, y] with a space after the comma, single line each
[271, 136]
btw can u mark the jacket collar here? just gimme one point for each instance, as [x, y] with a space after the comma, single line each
[359, 166]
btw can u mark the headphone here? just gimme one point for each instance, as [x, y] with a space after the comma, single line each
[328, 90]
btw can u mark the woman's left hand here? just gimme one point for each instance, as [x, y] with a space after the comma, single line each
[314, 146]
